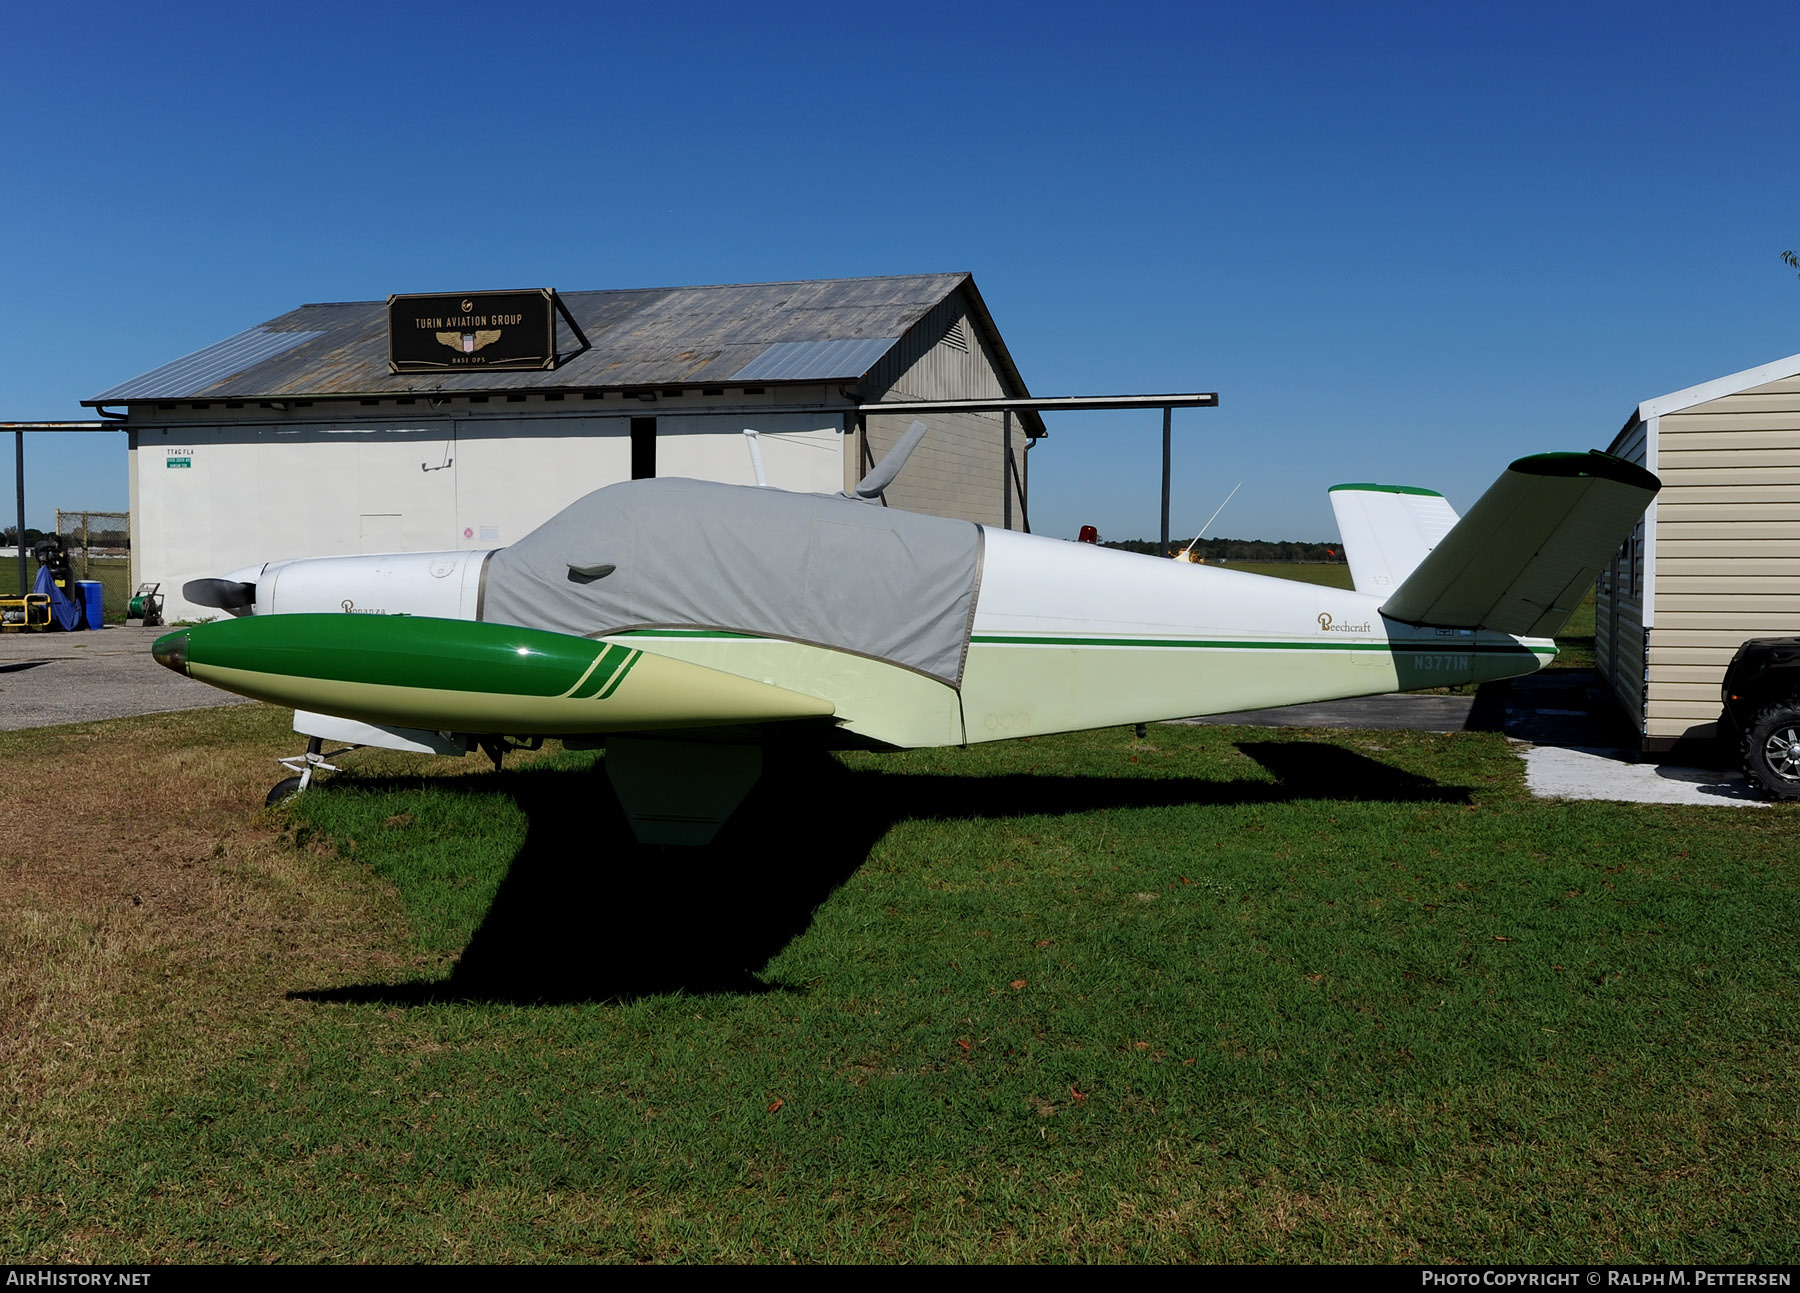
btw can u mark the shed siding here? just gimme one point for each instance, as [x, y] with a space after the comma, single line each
[1619, 602]
[1728, 546]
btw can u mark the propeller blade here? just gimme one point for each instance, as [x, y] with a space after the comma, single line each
[223, 594]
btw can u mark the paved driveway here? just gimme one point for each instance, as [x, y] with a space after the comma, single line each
[51, 678]
[1575, 744]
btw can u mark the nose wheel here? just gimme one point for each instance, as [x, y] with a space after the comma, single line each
[304, 765]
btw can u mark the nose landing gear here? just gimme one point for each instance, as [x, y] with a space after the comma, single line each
[304, 765]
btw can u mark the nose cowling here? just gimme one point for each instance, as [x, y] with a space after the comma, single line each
[171, 651]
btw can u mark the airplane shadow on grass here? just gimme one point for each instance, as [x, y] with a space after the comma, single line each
[585, 913]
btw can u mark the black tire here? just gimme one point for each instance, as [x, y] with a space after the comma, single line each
[282, 790]
[1772, 749]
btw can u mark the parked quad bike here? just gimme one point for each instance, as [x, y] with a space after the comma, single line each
[1772, 749]
[1761, 692]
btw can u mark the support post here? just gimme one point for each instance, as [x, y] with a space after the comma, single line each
[1006, 468]
[1025, 484]
[1167, 411]
[19, 472]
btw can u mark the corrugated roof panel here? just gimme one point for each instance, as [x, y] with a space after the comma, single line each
[182, 378]
[644, 337]
[801, 361]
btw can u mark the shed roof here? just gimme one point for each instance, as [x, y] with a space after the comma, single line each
[1717, 388]
[764, 333]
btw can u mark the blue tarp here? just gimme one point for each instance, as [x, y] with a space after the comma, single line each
[64, 612]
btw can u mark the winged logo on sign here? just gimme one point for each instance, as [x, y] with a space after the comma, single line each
[469, 342]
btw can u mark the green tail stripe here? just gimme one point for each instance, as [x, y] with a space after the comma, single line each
[619, 677]
[605, 666]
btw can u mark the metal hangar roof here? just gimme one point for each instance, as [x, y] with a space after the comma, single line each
[810, 331]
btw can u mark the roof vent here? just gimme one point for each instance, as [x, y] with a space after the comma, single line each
[957, 338]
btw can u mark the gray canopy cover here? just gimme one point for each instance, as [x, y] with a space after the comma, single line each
[816, 568]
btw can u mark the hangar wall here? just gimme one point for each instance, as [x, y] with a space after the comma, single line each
[959, 470]
[210, 495]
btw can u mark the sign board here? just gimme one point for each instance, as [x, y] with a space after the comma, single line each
[469, 330]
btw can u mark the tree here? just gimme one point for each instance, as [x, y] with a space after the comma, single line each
[1792, 261]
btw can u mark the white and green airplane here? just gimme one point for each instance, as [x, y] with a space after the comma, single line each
[685, 625]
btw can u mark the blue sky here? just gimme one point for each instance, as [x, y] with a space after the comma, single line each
[1404, 242]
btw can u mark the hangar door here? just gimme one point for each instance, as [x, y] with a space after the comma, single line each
[405, 488]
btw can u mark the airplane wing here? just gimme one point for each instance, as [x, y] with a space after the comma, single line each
[469, 676]
[1523, 558]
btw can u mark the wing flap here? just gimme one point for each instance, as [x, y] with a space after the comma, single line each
[1524, 556]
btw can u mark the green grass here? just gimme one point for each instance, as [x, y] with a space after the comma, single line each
[114, 574]
[1222, 995]
[1331, 575]
[1575, 644]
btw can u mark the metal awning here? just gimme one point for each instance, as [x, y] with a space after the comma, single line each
[1049, 404]
[19, 429]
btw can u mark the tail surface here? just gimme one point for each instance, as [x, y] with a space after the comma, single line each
[1523, 558]
[1387, 530]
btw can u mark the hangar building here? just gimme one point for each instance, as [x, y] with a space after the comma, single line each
[298, 437]
[1716, 558]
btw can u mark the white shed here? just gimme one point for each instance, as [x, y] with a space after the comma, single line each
[1716, 559]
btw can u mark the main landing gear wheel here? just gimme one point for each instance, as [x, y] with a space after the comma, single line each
[1772, 749]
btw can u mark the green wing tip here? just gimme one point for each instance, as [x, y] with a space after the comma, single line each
[1593, 463]
[1387, 489]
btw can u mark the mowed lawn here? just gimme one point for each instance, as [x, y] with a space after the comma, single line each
[1219, 995]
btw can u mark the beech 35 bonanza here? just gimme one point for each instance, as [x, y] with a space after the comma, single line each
[684, 624]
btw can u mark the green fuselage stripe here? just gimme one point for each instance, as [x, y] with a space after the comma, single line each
[1448, 645]
[686, 633]
[1184, 644]
[619, 677]
[581, 683]
[606, 664]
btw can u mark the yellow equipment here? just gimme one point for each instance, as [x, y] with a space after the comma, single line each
[28, 612]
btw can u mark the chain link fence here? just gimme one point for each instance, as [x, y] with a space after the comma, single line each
[90, 536]
[99, 547]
